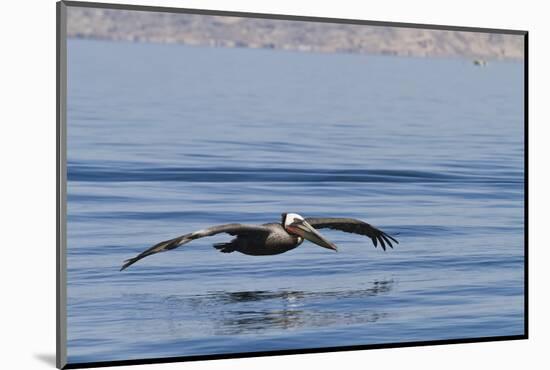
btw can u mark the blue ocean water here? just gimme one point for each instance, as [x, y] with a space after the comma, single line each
[168, 139]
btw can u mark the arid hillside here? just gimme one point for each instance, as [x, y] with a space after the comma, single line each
[228, 31]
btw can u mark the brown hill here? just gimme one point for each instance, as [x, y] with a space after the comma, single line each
[229, 31]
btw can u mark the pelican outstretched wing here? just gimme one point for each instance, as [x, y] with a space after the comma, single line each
[351, 225]
[231, 229]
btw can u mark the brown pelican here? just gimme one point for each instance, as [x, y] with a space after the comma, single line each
[273, 238]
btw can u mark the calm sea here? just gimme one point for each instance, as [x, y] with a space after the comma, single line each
[168, 139]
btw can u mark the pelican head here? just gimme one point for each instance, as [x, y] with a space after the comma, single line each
[296, 225]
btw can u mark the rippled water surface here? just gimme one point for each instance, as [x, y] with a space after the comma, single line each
[168, 139]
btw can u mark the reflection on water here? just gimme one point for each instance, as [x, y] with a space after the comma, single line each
[248, 322]
[296, 296]
[257, 311]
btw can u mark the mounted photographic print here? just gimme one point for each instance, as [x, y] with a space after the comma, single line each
[236, 184]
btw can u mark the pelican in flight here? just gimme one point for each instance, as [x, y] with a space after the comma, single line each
[273, 238]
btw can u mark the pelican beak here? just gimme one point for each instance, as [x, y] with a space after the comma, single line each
[307, 231]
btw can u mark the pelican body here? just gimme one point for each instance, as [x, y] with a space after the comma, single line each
[273, 238]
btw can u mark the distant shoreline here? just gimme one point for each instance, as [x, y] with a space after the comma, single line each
[474, 61]
[225, 31]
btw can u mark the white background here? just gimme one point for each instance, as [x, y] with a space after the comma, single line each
[27, 204]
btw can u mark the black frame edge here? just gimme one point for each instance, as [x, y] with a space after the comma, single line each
[526, 183]
[288, 352]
